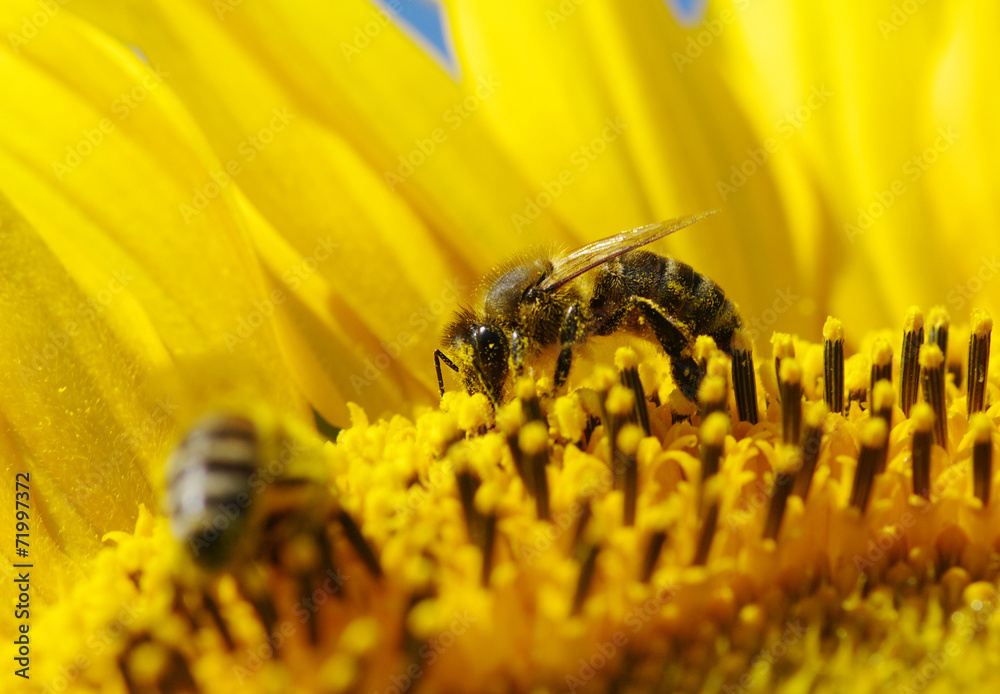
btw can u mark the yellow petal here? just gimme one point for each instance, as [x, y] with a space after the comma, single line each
[378, 151]
[105, 286]
[577, 68]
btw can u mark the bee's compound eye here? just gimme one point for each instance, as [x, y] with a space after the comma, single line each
[490, 346]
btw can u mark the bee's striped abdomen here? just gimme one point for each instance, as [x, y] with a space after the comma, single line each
[209, 486]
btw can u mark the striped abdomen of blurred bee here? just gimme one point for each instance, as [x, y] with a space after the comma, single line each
[536, 301]
[237, 490]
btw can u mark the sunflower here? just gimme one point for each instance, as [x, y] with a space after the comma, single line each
[270, 209]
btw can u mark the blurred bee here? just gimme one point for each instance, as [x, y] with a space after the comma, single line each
[534, 301]
[237, 488]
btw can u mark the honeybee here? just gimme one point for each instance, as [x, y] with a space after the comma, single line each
[239, 486]
[535, 301]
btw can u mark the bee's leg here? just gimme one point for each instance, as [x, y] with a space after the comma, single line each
[439, 357]
[686, 372]
[568, 335]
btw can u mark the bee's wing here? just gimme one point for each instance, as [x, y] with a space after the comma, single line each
[600, 252]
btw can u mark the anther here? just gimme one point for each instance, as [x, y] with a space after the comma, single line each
[744, 382]
[812, 440]
[909, 368]
[627, 362]
[833, 364]
[619, 408]
[938, 322]
[932, 365]
[653, 549]
[883, 398]
[881, 362]
[627, 444]
[873, 437]
[528, 395]
[489, 526]
[923, 436]
[979, 359]
[359, 543]
[712, 395]
[586, 578]
[857, 373]
[713, 437]
[783, 347]
[982, 456]
[533, 441]
[783, 480]
[790, 388]
[212, 608]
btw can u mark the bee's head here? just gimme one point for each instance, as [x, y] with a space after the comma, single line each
[483, 349]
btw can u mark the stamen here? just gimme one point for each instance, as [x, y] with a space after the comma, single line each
[533, 440]
[468, 483]
[528, 395]
[790, 388]
[215, 613]
[510, 419]
[783, 347]
[932, 363]
[938, 322]
[627, 362]
[628, 445]
[712, 395]
[883, 398]
[744, 381]
[856, 376]
[783, 480]
[913, 338]
[713, 437]
[586, 578]
[359, 543]
[982, 456]
[489, 526]
[812, 440]
[923, 436]
[874, 434]
[653, 549]
[620, 409]
[979, 360]
[833, 364]
[881, 362]
[704, 348]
